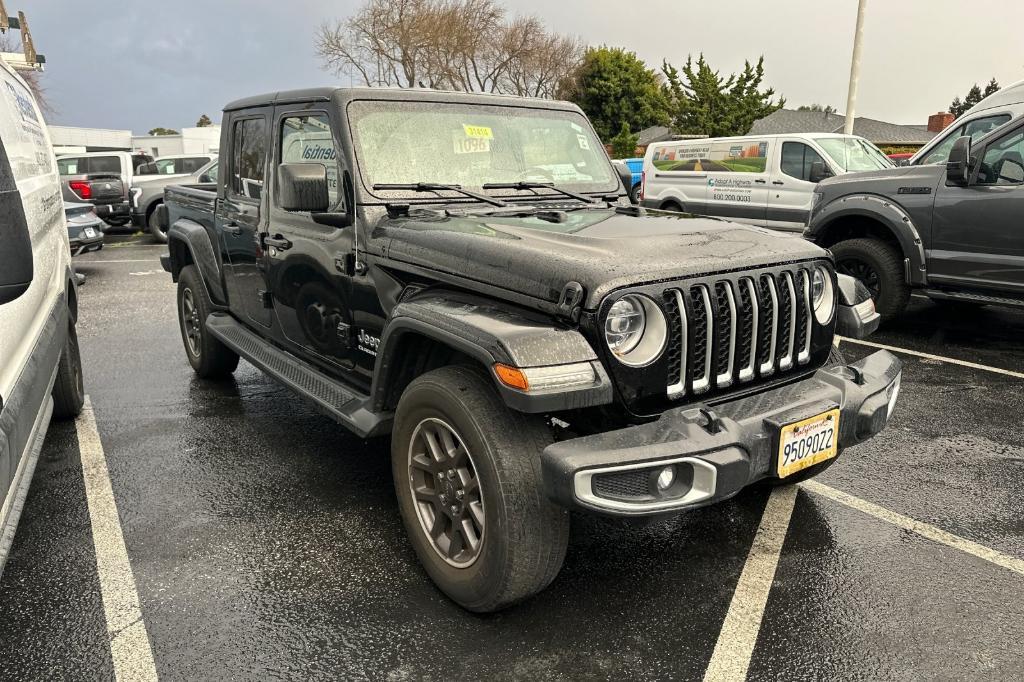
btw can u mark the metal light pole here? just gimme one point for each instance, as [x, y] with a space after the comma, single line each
[851, 95]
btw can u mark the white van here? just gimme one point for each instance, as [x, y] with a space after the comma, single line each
[40, 368]
[765, 180]
[983, 117]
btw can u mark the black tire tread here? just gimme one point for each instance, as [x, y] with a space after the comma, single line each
[215, 359]
[889, 265]
[68, 389]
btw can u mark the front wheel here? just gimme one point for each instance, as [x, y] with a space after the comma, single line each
[69, 388]
[467, 475]
[879, 267]
[154, 228]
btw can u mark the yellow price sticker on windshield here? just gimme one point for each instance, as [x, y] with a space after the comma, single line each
[480, 132]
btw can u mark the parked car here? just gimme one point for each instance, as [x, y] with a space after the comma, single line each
[85, 228]
[40, 368]
[147, 193]
[101, 179]
[981, 119]
[764, 180]
[175, 164]
[636, 170]
[952, 230]
[900, 158]
[531, 345]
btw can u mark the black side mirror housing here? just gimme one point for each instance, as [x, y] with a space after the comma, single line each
[16, 268]
[303, 187]
[958, 166]
[204, 179]
[625, 175]
[819, 171]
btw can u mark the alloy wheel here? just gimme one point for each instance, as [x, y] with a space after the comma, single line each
[862, 271]
[190, 322]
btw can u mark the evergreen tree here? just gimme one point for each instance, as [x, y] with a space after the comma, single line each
[204, 122]
[959, 107]
[706, 103]
[623, 144]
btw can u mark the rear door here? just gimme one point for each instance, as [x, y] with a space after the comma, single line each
[978, 230]
[241, 215]
[790, 189]
[737, 179]
[671, 178]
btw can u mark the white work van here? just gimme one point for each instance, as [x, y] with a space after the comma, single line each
[982, 118]
[765, 180]
[40, 368]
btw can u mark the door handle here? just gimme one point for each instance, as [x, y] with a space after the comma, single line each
[778, 182]
[232, 228]
[278, 242]
[760, 182]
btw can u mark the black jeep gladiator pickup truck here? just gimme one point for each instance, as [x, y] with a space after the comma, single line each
[952, 231]
[464, 273]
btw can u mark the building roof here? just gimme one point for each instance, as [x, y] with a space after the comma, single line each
[653, 134]
[785, 121]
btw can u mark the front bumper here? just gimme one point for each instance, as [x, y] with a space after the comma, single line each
[723, 448]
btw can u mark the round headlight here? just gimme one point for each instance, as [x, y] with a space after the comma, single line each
[822, 295]
[635, 330]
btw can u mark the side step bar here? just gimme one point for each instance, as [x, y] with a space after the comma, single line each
[339, 401]
[972, 297]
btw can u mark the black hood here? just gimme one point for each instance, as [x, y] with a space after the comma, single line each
[602, 249]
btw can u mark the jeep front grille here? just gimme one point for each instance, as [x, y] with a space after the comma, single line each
[731, 331]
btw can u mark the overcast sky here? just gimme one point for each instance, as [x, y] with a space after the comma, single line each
[138, 64]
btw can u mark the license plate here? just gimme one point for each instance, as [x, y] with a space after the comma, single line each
[89, 233]
[808, 442]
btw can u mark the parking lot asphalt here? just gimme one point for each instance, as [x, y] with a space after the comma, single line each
[264, 539]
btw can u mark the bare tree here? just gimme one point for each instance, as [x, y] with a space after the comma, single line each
[450, 44]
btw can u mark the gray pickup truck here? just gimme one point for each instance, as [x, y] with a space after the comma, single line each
[951, 230]
[147, 193]
[465, 274]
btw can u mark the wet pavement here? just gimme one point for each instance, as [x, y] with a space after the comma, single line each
[265, 539]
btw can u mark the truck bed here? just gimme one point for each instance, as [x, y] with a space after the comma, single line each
[196, 202]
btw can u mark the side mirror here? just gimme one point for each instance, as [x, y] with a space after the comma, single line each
[958, 167]
[205, 179]
[16, 267]
[303, 187]
[819, 171]
[625, 175]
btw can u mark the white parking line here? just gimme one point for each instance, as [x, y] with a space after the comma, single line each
[940, 358]
[923, 529]
[129, 642]
[738, 636]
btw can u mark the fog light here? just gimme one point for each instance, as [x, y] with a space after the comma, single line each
[666, 477]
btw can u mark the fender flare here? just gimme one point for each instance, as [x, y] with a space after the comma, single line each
[885, 212]
[489, 332]
[197, 240]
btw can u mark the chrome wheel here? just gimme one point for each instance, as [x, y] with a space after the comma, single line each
[446, 492]
[190, 322]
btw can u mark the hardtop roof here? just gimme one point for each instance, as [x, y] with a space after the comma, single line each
[342, 95]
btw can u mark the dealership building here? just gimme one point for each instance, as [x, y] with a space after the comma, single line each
[72, 140]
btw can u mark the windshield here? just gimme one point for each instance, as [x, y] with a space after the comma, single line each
[180, 166]
[854, 154]
[473, 145]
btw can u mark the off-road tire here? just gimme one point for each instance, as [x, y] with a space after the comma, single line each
[835, 358]
[158, 235]
[209, 357]
[887, 263]
[69, 388]
[525, 535]
[634, 194]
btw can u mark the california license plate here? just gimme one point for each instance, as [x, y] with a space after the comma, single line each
[89, 233]
[808, 442]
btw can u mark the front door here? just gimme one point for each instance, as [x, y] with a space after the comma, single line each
[977, 230]
[790, 189]
[240, 217]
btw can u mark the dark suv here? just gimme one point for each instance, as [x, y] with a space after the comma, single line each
[952, 230]
[464, 273]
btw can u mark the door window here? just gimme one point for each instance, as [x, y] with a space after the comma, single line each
[249, 157]
[308, 139]
[974, 129]
[1003, 162]
[797, 159]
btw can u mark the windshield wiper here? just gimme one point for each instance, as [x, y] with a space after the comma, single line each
[539, 185]
[434, 187]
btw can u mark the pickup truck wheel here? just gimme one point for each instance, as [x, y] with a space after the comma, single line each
[208, 356]
[68, 388]
[467, 476]
[154, 229]
[634, 194]
[879, 267]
